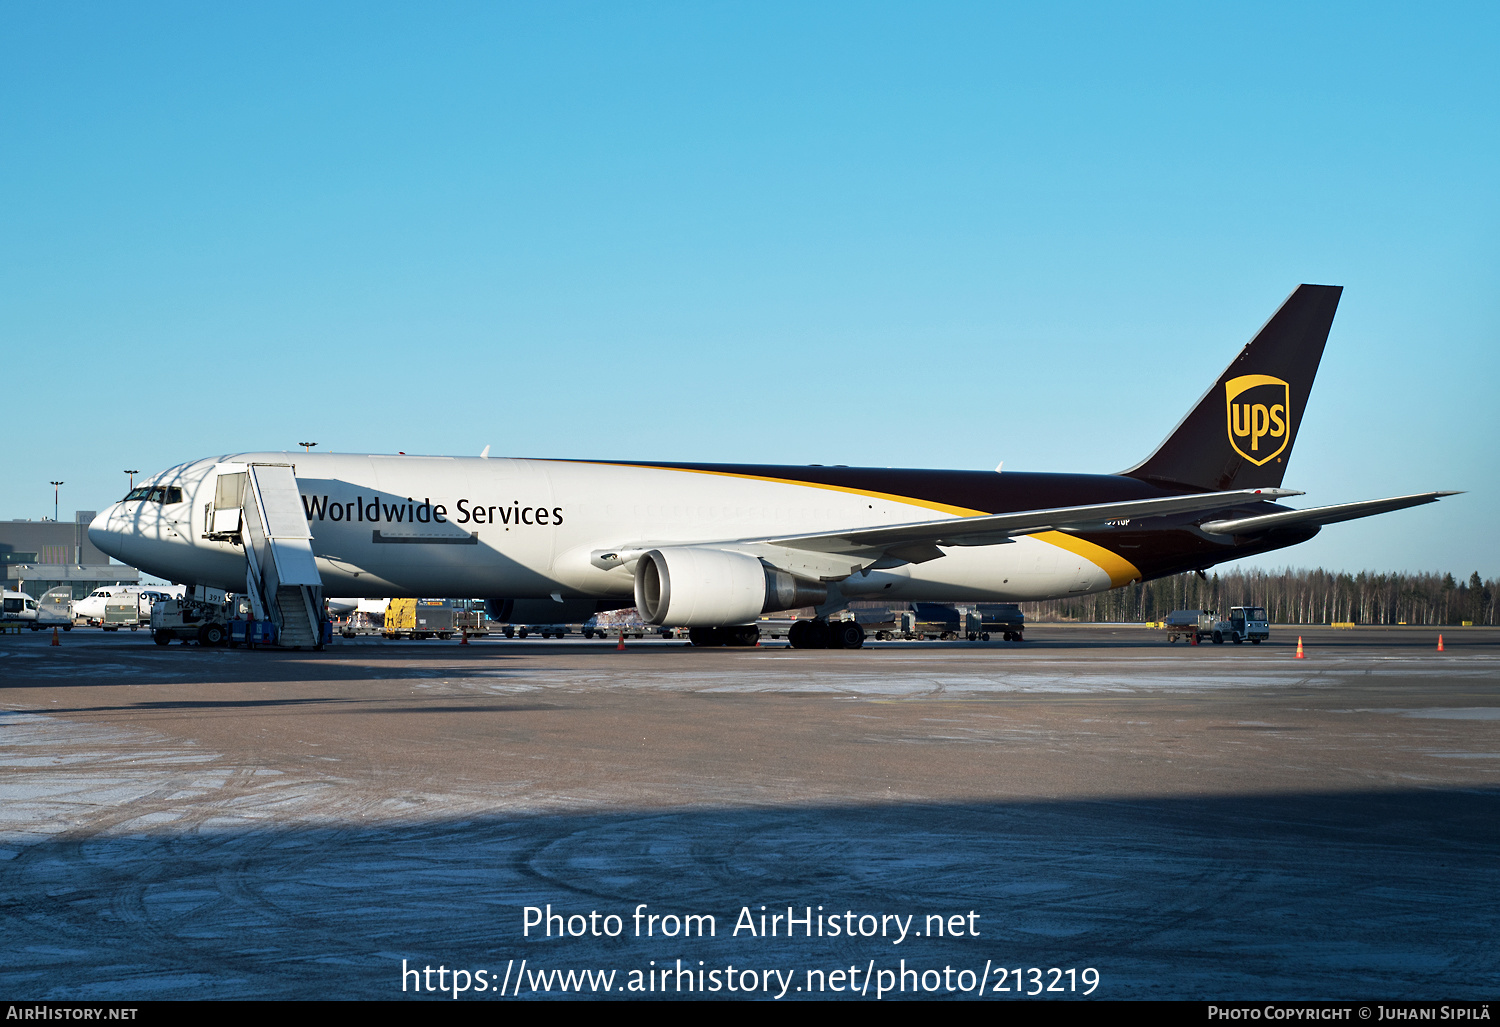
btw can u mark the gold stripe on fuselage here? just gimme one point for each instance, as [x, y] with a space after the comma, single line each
[1120, 570]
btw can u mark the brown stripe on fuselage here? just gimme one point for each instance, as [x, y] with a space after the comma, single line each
[1152, 553]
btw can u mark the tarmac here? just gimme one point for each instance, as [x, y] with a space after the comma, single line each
[1210, 822]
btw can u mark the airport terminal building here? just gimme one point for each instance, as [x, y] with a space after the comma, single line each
[39, 556]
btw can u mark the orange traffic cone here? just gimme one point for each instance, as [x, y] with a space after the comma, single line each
[57, 641]
[465, 639]
[621, 646]
[1440, 640]
[1300, 655]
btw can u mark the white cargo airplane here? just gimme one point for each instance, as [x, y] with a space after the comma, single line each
[713, 546]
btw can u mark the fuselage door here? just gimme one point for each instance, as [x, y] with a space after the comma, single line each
[229, 498]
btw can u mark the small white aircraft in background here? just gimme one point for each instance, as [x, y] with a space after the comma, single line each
[91, 607]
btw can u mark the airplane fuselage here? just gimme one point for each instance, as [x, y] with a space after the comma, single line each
[387, 526]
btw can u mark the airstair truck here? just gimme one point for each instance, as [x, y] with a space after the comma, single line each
[258, 506]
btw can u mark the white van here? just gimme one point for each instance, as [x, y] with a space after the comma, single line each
[18, 606]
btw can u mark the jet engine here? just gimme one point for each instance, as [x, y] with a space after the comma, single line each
[693, 586]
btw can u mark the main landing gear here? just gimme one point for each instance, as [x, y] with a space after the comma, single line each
[819, 634]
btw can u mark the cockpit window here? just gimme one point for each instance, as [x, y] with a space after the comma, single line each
[167, 494]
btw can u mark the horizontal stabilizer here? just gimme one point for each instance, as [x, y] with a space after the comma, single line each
[1319, 514]
[993, 529]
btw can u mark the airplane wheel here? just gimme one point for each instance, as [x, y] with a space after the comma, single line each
[847, 635]
[705, 638]
[807, 634]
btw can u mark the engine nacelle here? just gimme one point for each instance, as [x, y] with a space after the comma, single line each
[697, 586]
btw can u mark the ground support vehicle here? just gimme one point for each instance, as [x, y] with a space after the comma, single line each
[124, 612]
[471, 623]
[251, 633]
[54, 610]
[897, 625]
[1245, 624]
[19, 608]
[935, 621]
[526, 630]
[190, 619]
[418, 619]
[593, 632]
[1193, 625]
[1003, 619]
[609, 624]
[613, 622]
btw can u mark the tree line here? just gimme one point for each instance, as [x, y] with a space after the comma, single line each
[1290, 597]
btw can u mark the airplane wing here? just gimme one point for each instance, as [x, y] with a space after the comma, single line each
[918, 541]
[1319, 514]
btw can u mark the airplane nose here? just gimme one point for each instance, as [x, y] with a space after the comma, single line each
[105, 532]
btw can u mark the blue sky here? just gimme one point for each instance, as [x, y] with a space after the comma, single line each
[906, 235]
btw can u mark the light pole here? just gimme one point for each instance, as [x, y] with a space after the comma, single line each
[307, 445]
[132, 479]
[55, 485]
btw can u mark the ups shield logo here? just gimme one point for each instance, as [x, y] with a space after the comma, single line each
[1258, 409]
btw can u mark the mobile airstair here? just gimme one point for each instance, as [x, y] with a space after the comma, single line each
[261, 509]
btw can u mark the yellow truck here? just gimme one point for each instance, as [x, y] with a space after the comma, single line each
[418, 618]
